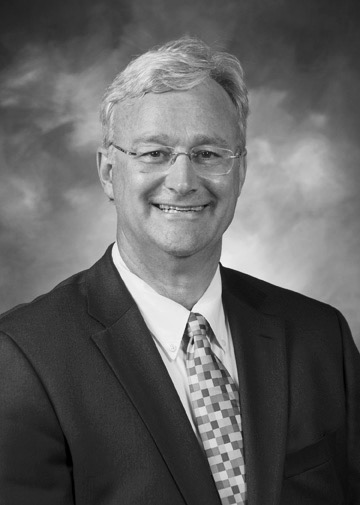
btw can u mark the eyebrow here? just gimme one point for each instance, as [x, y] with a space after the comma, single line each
[164, 139]
[161, 138]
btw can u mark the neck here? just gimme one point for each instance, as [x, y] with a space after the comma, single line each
[182, 279]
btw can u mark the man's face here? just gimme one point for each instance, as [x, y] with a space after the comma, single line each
[204, 207]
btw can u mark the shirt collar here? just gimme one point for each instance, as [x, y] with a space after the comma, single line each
[167, 319]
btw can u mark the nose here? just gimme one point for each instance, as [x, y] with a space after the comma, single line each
[181, 177]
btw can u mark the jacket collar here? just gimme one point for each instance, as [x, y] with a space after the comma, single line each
[128, 348]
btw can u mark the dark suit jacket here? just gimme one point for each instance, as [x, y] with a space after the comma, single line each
[89, 415]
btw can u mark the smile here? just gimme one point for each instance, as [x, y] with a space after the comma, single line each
[172, 209]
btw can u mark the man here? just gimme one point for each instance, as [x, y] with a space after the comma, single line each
[158, 376]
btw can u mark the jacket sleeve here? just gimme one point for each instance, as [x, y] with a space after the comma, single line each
[35, 468]
[352, 385]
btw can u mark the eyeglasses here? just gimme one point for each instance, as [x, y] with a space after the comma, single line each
[206, 160]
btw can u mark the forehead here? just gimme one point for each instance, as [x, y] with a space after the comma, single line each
[205, 110]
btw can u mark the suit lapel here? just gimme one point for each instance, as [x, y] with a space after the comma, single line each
[128, 348]
[259, 343]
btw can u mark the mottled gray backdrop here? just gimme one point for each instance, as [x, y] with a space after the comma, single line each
[297, 223]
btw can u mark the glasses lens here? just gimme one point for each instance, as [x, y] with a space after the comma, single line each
[212, 160]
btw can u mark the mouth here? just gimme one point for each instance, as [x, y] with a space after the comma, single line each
[174, 209]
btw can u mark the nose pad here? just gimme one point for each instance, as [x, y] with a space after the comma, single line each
[175, 157]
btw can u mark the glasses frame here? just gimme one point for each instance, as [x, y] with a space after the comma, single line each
[175, 154]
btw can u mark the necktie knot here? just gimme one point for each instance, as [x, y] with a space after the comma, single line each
[196, 325]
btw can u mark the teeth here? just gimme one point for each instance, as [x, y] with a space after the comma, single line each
[173, 208]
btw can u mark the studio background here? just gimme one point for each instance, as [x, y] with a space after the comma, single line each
[298, 220]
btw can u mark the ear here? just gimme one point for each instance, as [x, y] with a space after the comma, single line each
[242, 172]
[105, 171]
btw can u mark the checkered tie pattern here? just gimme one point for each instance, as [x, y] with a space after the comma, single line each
[215, 402]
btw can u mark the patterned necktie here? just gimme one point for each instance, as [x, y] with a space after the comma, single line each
[215, 402]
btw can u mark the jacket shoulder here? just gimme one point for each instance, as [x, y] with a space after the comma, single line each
[63, 298]
[275, 299]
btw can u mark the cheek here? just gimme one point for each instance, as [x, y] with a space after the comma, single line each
[124, 185]
[227, 190]
[132, 190]
[123, 199]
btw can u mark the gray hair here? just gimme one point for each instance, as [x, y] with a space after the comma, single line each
[176, 66]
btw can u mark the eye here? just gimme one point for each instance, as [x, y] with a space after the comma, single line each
[206, 154]
[153, 154]
[149, 155]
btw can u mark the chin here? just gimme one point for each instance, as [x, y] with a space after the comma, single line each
[184, 243]
[180, 252]
[186, 250]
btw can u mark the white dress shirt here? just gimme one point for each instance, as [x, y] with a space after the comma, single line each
[167, 320]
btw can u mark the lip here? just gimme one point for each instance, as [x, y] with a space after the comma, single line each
[168, 208]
